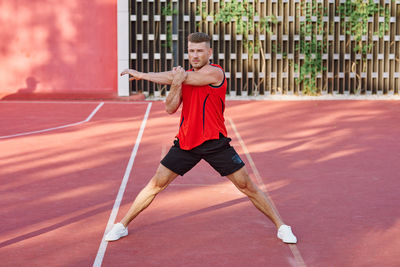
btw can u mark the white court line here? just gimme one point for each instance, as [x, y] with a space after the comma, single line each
[103, 245]
[295, 251]
[58, 127]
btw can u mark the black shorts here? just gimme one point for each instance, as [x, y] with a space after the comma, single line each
[217, 152]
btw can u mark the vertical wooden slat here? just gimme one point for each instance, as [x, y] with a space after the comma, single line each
[397, 44]
[340, 51]
[278, 48]
[268, 63]
[139, 43]
[273, 51]
[180, 48]
[132, 45]
[324, 80]
[390, 50]
[298, 13]
[330, 49]
[344, 59]
[235, 50]
[336, 52]
[284, 30]
[157, 43]
[186, 30]
[242, 63]
[256, 67]
[374, 61]
[378, 47]
[261, 72]
[291, 46]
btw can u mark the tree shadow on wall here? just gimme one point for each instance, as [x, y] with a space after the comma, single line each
[55, 45]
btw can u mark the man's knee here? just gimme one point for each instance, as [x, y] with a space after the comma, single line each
[250, 188]
[157, 184]
[161, 180]
[245, 184]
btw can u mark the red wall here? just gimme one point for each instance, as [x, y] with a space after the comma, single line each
[50, 46]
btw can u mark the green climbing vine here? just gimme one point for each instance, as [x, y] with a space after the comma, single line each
[247, 23]
[358, 13]
[244, 16]
[310, 46]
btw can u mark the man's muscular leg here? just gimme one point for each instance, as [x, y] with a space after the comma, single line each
[159, 182]
[243, 182]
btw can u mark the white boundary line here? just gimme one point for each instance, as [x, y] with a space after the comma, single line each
[103, 244]
[58, 127]
[295, 251]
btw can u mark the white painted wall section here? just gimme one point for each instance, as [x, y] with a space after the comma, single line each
[123, 46]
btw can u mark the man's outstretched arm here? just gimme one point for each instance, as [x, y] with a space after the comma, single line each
[174, 98]
[165, 77]
[206, 75]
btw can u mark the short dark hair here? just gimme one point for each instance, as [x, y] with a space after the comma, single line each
[199, 37]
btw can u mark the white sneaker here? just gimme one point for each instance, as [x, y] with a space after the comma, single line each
[285, 233]
[117, 231]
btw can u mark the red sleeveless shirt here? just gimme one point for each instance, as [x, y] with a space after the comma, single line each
[202, 116]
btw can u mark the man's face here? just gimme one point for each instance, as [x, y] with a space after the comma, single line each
[199, 54]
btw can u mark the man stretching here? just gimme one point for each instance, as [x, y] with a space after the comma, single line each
[202, 135]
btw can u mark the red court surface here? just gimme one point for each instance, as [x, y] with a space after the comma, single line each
[330, 167]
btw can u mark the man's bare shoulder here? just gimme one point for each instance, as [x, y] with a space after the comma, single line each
[214, 71]
[210, 69]
[206, 75]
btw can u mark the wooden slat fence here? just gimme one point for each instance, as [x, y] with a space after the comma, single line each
[159, 30]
